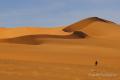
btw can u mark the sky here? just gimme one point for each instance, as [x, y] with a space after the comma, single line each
[50, 13]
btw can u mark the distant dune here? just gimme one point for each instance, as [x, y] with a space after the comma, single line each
[84, 23]
[22, 31]
[96, 27]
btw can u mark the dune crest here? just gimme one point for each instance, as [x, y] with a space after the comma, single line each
[84, 23]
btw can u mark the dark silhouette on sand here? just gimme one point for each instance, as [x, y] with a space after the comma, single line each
[96, 63]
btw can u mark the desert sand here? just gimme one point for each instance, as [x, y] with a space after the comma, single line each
[61, 53]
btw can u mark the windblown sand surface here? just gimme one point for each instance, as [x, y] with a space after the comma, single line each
[65, 53]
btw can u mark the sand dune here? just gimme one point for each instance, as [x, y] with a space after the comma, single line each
[63, 53]
[93, 26]
[96, 27]
[84, 23]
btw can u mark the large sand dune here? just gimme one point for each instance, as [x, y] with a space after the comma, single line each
[96, 27]
[64, 53]
[84, 23]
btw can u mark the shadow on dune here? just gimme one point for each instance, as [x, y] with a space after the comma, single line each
[35, 39]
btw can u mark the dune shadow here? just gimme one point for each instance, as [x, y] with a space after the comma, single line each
[33, 39]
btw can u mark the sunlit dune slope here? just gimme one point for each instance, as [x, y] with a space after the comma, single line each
[103, 30]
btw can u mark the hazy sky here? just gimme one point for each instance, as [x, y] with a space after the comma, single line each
[55, 12]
